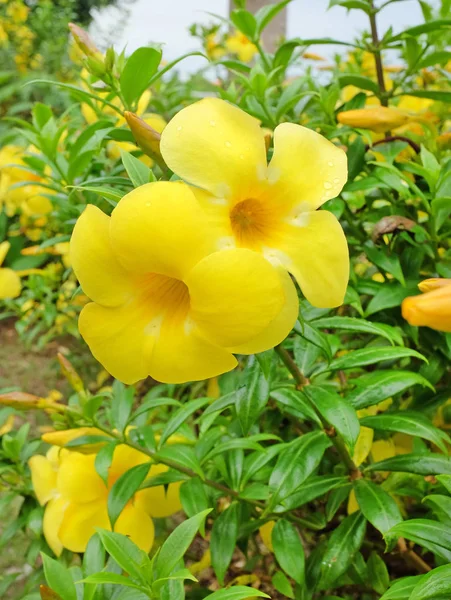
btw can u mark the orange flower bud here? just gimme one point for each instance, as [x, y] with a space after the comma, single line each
[444, 140]
[146, 137]
[84, 42]
[378, 119]
[432, 309]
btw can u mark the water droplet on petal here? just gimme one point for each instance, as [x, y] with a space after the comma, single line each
[228, 144]
[336, 180]
[330, 163]
[242, 156]
[327, 185]
[213, 123]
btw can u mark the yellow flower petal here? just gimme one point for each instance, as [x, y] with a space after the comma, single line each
[306, 168]
[234, 294]
[136, 524]
[80, 523]
[99, 273]
[4, 249]
[62, 438]
[432, 309]
[353, 505]
[124, 458]
[10, 285]
[313, 248]
[43, 478]
[51, 523]
[279, 327]
[77, 479]
[158, 501]
[363, 445]
[216, 146]
[126, 343]
[160, 228]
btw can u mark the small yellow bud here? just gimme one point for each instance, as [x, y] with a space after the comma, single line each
[70, 374]
[312, 56]
[84, 42]
[431, 309]
[444, 140]
[146, 137]
[22, 401]
[378, 119]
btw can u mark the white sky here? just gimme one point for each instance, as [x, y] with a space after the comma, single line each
[167, 21]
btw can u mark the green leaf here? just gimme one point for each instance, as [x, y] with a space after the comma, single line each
[432, 535]
[410, 422]
[267, 13]
[245, 22]
[434, 58]
[180, 575]
[295, 464]
[138, 72]
[233, 444]
[349, 4]
[436, 585]
[359, 81]
[357, 325]
[389, 263]
[441, 505]
[342, 545]
[402, 588]
[184, 456]
[377, 505]
[437, 96]
[121, 405]
[251, 404]
[223, 540]
[421, 464]
[289, 550]
[180, 417]
[114, 578]
[108, 193]
[388, 296]
[58, 578]
[377, 573]
[237, 592]
[337, 412]
[282, 584]
[295, 402]
[314, 487]
[128, 556]
[438, 24]
[445, 480]
[373, 388]
[370, 356]
[93, 562]
[124, 489]
[178, 543]
[313, 336]
[138, 172]
[193, 497]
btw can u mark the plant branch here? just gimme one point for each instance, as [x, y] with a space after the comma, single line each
[412, 557]
[285, 356]
[393, 138]
[377, 55]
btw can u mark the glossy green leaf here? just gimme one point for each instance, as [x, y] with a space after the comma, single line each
[223, 540]
[138, 172]
[58, 578]
[378, 573]
[138, 72]
[282, 584]
[371, 356]
[289, 550]
[421, 464]
[237, 592]
[180, 417]
[252, 402]
[342, 545]
[245, 22]
[436, 585]
[128, 556]
[124, 489]
[314, 487]
[377, 505]
[432, 535]
[402, 588]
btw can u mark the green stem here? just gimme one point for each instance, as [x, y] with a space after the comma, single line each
[263, 55]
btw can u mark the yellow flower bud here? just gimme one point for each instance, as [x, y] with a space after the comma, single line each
[85, 43]
[70, 374]
[147, 138]
[22, 401]
[432, 309]
[378, 119]
[312, 56]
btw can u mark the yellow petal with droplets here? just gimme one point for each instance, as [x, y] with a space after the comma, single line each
[306, 169]
[217, 147]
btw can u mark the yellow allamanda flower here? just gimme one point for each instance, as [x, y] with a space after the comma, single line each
[165, 303]
[378, 119]
[271, 209]
[432, 308]
[76, 498]
[17, 11]
[10, 285]
[213, 47]
[242, 46]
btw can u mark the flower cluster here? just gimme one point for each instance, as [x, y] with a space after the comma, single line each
[184, 275]
[76, 497]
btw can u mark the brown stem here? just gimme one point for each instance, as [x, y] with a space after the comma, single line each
[377, 55]
[393, 138]
[339, 444]
[412, 557]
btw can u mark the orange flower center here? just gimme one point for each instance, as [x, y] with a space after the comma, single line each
[251, 221]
